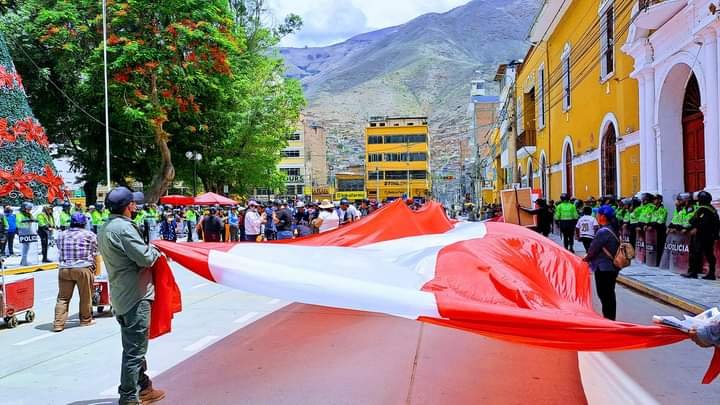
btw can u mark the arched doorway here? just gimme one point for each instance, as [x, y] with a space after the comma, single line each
[608, 161]
[568, 169]
[693, 137]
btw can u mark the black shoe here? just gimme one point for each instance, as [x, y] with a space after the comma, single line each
[709, 277]
[689, 275]
[47, 261]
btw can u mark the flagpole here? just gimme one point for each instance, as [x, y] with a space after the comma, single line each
[107, 114]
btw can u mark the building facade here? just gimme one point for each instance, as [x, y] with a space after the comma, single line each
[676, 48]
[576, 103]
[397, 158]
[316, 164]
[293, 165]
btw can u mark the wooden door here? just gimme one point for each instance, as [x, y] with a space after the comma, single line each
[569, 172]
[694, 152]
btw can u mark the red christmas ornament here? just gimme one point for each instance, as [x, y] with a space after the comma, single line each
[32, 131]
[5, 134]
[52, 181]
[18, 180]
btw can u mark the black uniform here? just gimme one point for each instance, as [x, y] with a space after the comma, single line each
[706, 225]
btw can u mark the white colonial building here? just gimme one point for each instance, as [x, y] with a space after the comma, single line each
[676, 50]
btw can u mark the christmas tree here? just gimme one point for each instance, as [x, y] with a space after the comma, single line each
[27, 172]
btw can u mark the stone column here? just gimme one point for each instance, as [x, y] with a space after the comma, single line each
[648, 142]
[712, 138]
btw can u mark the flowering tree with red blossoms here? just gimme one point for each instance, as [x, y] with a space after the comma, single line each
[26, 169]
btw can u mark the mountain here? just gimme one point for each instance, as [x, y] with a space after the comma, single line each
[421, 67]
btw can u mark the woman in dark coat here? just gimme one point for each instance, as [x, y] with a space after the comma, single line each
[600, 255]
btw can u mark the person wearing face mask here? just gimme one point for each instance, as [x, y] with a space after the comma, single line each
[128, 260]
[253, 222]
[168, 228]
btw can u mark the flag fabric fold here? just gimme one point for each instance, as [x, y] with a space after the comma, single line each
[494, 279]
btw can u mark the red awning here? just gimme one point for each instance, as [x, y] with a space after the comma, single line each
[177, 200]
[213, 199]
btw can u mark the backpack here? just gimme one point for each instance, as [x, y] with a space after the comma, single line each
[624, 255]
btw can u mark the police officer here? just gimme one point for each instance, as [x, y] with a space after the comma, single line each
[46, 224]
[24, 224]
[128, 260]
[705, 226]
[633, 220]
[566, 215]
[95, 218]
[65, 216]
[658, 222]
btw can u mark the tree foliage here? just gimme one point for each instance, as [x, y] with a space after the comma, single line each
[184, 75]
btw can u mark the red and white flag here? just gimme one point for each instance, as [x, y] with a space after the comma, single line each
[495, 279]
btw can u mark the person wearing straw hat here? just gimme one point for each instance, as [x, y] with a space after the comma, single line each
[328, 218]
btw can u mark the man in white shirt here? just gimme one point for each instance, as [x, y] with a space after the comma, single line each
[586, 228]
[253, 222]
[328, 218]
[347, 212]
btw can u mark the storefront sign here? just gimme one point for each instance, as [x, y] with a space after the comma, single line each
[350, 195]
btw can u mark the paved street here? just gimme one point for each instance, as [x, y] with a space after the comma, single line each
[229, 347]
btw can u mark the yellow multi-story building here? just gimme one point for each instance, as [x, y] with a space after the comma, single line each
[575, 105]
[397, 157]
[292, 163]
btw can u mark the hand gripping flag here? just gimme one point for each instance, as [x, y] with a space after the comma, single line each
[494, 279]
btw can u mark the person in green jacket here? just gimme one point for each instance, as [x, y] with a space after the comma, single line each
[566, 215]
[4, 226]
[684, 210]
[24, 223]
[46, 224]
[95, 218]
[65, 216]
[658, 222]
[191, 221]
[647, 209]
[633, 220]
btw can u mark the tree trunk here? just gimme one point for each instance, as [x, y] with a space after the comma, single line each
[90, 189]
[164, 177]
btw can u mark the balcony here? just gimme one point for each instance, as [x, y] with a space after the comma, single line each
[654, 13]
[526, 143]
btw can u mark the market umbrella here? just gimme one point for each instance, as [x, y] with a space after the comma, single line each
[213, 199]
[177, 200]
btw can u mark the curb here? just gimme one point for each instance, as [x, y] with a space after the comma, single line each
[31, 269]
[662, 295]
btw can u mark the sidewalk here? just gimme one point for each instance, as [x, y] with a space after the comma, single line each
[691, 295]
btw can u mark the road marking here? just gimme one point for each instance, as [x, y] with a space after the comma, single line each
[200, 286]
[273, 301]
[245, 318]
[606, 383]
[200, 344]
[35, 339]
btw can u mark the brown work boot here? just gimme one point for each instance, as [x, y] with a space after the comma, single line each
[151, 395]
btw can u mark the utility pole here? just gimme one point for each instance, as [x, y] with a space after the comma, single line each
[407, 162]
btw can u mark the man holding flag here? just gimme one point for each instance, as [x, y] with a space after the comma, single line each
[128, 260]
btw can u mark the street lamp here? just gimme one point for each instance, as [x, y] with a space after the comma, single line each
[195, 157]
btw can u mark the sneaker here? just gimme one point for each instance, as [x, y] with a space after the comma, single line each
[151, 395]
[58, 328]
[689, 275]
[709, 277]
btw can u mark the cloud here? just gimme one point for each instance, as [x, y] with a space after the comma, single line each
[331, 21]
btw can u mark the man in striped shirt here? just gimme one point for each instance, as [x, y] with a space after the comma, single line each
[77, 251]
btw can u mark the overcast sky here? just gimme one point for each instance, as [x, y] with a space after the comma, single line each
[331, 21]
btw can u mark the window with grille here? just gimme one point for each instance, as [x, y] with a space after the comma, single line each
[607, 43]
[540, 98]
[375, 140]
[609, 162]
[375, 157]
[290, 153]
[566, 79]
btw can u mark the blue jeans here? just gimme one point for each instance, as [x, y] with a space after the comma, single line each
[284, 235]
[134, 328]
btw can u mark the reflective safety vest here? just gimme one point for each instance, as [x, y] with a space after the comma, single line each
[190, 216]
[620, 214]
[105, 215]
[24, 220]
[96, 218]
[45, 220]
[682, 217]
[140, 217]
[659, 216]
[65, 219]
[645, 213]
[566, 211]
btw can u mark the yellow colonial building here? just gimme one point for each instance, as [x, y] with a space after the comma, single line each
[575, 106]
[397, 157]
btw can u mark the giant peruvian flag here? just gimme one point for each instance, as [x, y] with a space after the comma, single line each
[494, 279]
